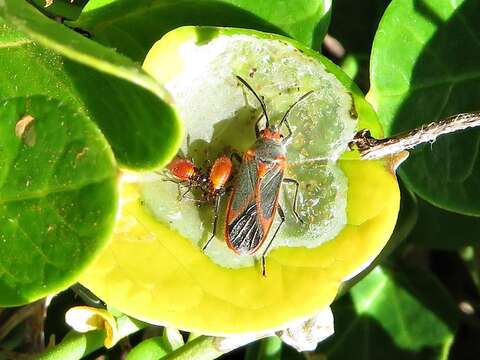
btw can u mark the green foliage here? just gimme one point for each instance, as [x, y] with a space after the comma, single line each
[92, 106]
[424, 67]
[132, 27]
[66, 9]
[440, 229]
[393, 314]
[57, 196]
[124, 101]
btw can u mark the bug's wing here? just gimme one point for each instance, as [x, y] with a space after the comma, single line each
[268, 190]
[243, 232]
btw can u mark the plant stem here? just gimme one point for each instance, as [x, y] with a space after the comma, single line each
[206, 348]
[371, 148]
[201, 348]
[75, 345]
[19, 316]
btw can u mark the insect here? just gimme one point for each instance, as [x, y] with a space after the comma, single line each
[253, 202]
[212, 182]
[187, 174]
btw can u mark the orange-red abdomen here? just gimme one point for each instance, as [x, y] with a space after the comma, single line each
[220, 172]
[183, 169]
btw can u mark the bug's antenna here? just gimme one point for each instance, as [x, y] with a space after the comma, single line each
[264, 108]
[303, 97]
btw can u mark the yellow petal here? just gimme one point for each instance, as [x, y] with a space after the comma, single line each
[86, 318]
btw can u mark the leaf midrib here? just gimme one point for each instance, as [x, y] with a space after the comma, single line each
[16, 43]
[47, 192]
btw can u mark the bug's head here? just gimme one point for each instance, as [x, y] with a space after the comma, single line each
[271, 133]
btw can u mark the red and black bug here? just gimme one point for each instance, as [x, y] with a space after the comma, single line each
[254, 200]
[212, 183]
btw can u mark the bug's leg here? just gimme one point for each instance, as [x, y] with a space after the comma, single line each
[286, 139]
[179, 183]
[215, 218]
[282, 220]
[295, 198]
[183, 195]
[236, 156]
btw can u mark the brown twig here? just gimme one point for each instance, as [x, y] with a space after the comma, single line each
[18, 316]
[371, 148]
[35, 335]
[13, 355]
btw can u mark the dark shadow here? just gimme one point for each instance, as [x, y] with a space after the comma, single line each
[321, 30]
[427, 289]
[445, 80]
[354, 24]
[362, 336]
[132, 29]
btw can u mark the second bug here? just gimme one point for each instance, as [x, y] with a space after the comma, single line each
[211, 182]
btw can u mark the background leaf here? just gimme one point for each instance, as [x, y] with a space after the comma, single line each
[395, 315]
[133, 27]
[57, 197]
[126, 103]
[440, 229]
[67, 9]
[425, 67]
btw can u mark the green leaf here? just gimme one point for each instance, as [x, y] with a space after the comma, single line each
[394, 315]
[132, 27]
[131, 108]
[440, 229]
[118, 111]
[66, 9]
[304, 20]
[425, 67]
[58, 197]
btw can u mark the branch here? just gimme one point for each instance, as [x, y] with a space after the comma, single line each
[209, 348]
[18, 317]
[76, 345]
[371, 148]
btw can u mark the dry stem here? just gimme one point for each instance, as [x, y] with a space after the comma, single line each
[18, 317]
[371, 148]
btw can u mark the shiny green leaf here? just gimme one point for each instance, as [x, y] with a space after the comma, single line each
[66, 9]
[425, 67]
[57, 196]
[131, 108]
[132, 27]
